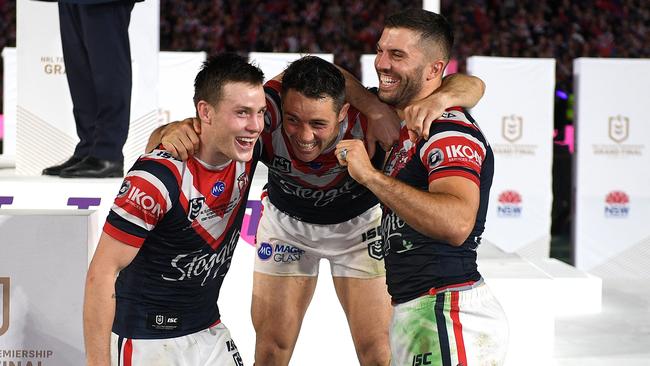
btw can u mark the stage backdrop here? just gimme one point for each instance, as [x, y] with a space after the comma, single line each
[612, 167]
[45, 126]
[176, 84]
[8, 155]
[516, 115]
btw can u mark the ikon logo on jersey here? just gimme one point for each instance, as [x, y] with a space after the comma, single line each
[463, 152]
[218, 188]
[509, 204]
[142, 199]
[617, 204]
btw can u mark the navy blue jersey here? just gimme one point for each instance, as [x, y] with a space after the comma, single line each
[321, 191]
[185, 218]
[415, 262]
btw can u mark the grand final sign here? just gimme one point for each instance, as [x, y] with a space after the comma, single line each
[612, 165]
[516, 115]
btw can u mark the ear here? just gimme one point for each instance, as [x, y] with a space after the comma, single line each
[344, 111]
[436, 69]
[204, 111]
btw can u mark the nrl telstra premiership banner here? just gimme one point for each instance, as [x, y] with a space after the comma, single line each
[516, 115]
[612, 167]
[46, 131]
[42, 274]
[273, 63]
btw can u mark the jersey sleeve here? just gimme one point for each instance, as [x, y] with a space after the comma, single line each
[273, 115]
[142, 201]
[454, 148]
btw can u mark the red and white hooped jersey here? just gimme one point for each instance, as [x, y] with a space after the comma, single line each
[321, 191]
[185, 218]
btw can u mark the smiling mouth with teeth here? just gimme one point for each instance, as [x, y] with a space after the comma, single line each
[306, 146]
[246, 141]
[388, 80]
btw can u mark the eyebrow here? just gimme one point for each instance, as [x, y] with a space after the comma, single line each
[317, 120]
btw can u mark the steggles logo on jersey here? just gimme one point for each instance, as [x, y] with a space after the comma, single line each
[617, 204]
[195, 208]
[202, 263]
[218, 188]
[436, 157]
[512, 127]
[619, 127]
[320, 197]
[509, 204]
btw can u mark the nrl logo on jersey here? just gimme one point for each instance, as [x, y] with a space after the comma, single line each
[512, 127]
[195, 208]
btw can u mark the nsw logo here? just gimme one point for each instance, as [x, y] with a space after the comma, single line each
[509, 204]
[265, 251]
[218, 188]
[617, 204]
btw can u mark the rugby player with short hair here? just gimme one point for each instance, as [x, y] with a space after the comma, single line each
[435, 194]
[171, 233]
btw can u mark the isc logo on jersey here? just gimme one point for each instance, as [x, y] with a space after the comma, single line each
[142, 199]
[463, 152]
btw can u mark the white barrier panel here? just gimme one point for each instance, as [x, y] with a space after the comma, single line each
[46, 132]
[42, 273]
[516, 115]
[8, 156]
[612, 165]
[274, 63]
[176, 84]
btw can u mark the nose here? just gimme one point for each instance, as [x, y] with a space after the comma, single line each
[305, 133]
[381, 61]
[255, 123]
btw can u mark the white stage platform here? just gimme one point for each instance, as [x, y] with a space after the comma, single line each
[534, 294]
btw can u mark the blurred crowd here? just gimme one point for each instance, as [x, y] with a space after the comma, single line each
[562, 29]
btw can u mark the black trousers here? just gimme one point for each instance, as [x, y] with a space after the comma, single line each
[97, 58]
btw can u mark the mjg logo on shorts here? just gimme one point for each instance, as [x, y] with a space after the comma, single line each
[265, 251]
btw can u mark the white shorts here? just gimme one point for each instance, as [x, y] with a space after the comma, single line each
[289, 247]
[210, 347]
[455, 326]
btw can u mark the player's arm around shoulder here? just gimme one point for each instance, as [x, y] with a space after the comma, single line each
[110, 257]
[180, 138]
[456, 90]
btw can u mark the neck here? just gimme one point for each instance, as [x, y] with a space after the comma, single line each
[210, 154]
